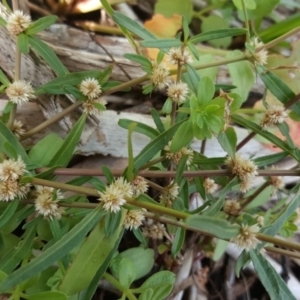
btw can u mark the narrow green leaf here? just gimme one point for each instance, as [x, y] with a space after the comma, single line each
[130, 168]
[178, 241]
[4, 79]
[8, 213]
[23, 43]
[3, 22]
[183, 136]
[50, 295]
[228, 141]
[186, 29]
[13, 258]
[215, 226]
[267, 135]
[192, 78]
[55, 252]
[278, 88]
[269, 159]
[45, 149]
[155, 145]
[132, 26]
[41, 24]
[194, 50]
[94, 284]
[271, 280]
[277, 224]
[48, 55]
[92, 254]
[66, 151]
[6, 136]
[217, 34]
[112, 222]
[108, 174]
[161, 43]
[69, 79]
[180, 169]
[143, 61]
[140, 127]
[157, 120]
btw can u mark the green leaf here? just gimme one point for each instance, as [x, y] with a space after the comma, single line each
[69, 79]
[228, 141]
[143, 260]
[146, 295]
[94, 284]
[45, 149]
[180, 169]
[8, 213]
[155, 146]
[161, 43]
[242, 75]
[192, 78]
[250, 4]
[183, 136]
[269, 159]
[23, 43]
[108, 174]
[279, 221]
[278, 88]
[41, 24]
[4, 79]
[48, 55]
[185, 28]
[127, 272]
[112, 222]
[91, 255]
[157, 120]
[13, 258]
[267, 135]
[55, 252]
[6, 136]
[206, 90]
[143, 61]
[162, 277]
[271, 280]
[50, 295]
[3, 22]
[132, 26]
[178, 241]
[66, 151]
[140, 127]
[220, 249]
[215, 226]
[179, 7]
[193, 49]
[216, 34]
[130, 168]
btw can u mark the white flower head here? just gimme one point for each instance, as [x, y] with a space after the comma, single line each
[210, 186]
[11, 169]
[159, 76]
[20, 92]
[273, 116]
[17, 22]
[179, 56]
[156, 231]
[178, 92]
[134, 219]
[177, 156]
[259, 57]
[232, 207]
[139, 185]
[247, 237]
[18, 129]
[90, 87]
[90, 108]
[46, 202]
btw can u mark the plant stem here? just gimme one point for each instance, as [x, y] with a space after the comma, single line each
[283, 252]
[51, 121]
[162, 174]
[246, 21]
[245, 140]
[116, 283]
[203, 144]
